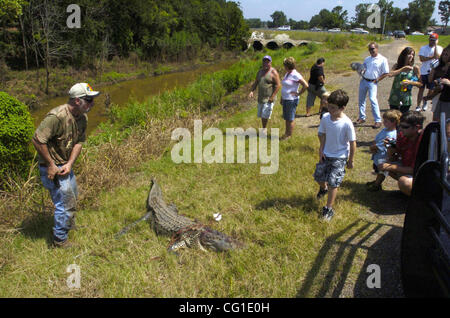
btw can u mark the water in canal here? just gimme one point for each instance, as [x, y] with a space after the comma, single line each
[138, 89]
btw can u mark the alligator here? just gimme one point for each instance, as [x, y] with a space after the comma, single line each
[165, 220]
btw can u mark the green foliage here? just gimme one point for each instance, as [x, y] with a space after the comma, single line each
[16, 129]
[158, 30]
[420, 12]
[278, 19]
[444, 11]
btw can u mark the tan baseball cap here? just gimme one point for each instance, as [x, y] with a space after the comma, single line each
[81, 90]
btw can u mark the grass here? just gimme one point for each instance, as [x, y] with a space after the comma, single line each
[289, 251]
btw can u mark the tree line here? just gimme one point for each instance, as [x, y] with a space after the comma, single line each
[417, 16]
[35, 33]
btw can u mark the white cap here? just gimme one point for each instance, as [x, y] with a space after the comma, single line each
[81, 90]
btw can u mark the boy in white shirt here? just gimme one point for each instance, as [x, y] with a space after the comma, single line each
[337, 148]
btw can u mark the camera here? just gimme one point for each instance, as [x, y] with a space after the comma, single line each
[391, 143]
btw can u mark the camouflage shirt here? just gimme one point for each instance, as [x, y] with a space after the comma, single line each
[61, 131]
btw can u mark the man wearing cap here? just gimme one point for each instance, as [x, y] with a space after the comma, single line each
[376, 68]
[268, 84]
[58, 141]
[428, 55]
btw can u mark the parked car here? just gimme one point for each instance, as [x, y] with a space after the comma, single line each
[399, 34]
[389, 33]
[359, 31]
[315, 29]
[417, 33]
[284, 28]
[334, 30]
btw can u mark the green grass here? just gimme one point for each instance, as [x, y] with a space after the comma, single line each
[275, 216]
[289, 251]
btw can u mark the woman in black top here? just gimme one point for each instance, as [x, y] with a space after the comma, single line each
[316, 86]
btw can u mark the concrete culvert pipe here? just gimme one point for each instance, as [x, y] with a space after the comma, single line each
[272, 45]
[287, 45]
[257, 46]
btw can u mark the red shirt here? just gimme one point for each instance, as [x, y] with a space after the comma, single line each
[408, 149]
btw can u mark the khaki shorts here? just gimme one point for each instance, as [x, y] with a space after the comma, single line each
[314, 92]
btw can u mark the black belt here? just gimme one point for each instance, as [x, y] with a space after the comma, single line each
[369, 80]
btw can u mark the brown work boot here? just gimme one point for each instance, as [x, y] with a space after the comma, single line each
[62, 244]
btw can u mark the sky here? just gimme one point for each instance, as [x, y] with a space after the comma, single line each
[305, 9]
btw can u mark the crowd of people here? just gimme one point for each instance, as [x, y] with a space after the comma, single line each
[59, 138]
[395, 147]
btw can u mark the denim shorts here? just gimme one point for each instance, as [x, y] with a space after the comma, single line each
[289, 108]
[265, 110]
[426, 82]
[331, 170]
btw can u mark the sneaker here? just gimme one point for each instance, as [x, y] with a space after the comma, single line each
[418, 109]
[321, 193]
[359, 121]
[425, 106]
[327, 213]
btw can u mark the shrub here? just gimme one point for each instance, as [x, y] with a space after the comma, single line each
[16, 130]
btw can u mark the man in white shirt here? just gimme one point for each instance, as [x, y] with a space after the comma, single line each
[428, 55]
[377, 68]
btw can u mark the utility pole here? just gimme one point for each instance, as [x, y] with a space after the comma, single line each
[384, 23]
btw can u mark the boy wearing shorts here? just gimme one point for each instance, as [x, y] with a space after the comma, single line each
[384, 139]
[337, 149]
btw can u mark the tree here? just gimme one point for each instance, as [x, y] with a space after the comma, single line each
[254, 23]
[298, 25]
[326, 19]
[361, 14]
[278, 19]
[340, 17]
[10, 9]
[444, 12]
[420, 12]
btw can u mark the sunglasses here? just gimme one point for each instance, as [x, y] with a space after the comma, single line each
[372, 49]
[88, 99]
[405, 126]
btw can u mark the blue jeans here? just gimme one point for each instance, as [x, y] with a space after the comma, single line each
[289, 109]
[371, 87]
[64, 196]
